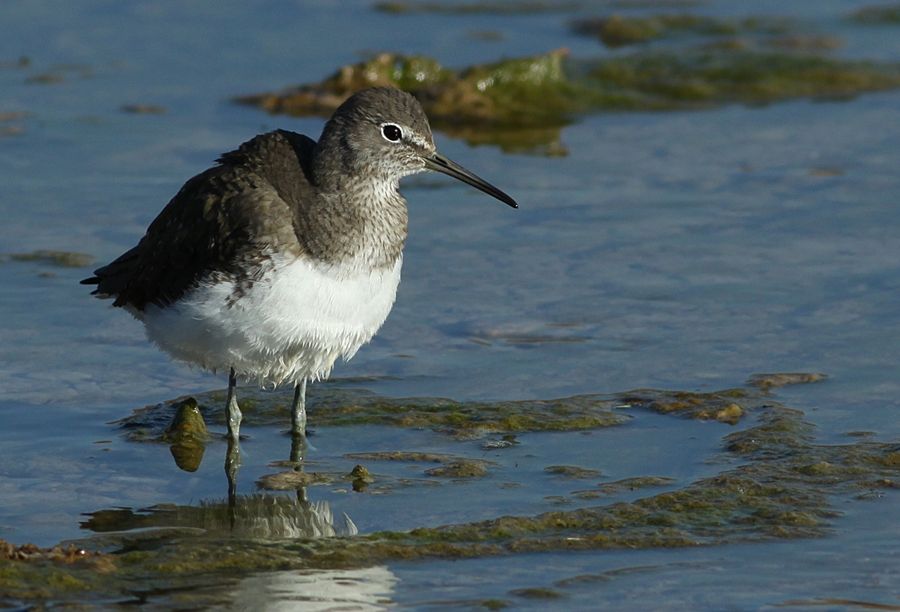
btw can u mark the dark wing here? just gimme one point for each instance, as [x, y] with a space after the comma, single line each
[224, 223]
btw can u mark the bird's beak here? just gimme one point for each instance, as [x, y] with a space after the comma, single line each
[439, 163]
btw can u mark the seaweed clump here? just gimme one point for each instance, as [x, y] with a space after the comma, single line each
[60, 259]
[704, 77]
[885, 14]
[332, 406]
[520, 104]
[621, 30]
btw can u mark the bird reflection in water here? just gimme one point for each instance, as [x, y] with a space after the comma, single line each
[259, 515]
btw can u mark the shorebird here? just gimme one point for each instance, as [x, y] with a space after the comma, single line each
[285, 255]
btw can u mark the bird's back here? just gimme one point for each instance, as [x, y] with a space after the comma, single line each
[223, 223]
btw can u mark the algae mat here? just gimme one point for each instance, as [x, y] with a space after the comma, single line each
[777, 483]
[674, 62]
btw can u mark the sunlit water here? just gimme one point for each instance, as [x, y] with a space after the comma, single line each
[678, 250]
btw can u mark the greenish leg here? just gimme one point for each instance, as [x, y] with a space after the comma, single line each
[298, 410]
[234, 411]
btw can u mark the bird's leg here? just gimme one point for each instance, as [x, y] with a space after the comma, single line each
[298, 451]
[234, 411]
[298, 410]
[298, 454]
[298, 434]
[232, 463]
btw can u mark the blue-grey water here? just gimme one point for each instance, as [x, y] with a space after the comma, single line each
[680, 250]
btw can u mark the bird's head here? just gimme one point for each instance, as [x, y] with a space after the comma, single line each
[383, 132]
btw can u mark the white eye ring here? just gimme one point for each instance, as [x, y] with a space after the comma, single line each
[391, 132]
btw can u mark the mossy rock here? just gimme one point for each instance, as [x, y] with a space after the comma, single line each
[521, 103]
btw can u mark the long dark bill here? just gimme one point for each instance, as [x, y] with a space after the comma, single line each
[439, 163]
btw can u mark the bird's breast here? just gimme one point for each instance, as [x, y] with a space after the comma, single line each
[290, 324]
[332, 304]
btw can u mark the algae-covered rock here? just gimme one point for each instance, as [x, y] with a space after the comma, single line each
[360, 478]
[571, 471]
[292, 480]
[452, 466]
[409, 72]
[521, 103]
[702, 77]
[329, 405]
[61, 259]
[500, 102]
[187, 425]
[781, 379]
[622, 30]
[884, 14]
[537, 593]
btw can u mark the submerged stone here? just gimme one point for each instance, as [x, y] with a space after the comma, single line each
[187, 425]
[360, 478]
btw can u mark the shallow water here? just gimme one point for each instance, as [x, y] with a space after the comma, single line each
[676, 250]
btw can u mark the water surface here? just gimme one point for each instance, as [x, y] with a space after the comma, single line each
[672, 250]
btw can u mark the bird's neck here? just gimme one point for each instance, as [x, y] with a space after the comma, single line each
[361, 224]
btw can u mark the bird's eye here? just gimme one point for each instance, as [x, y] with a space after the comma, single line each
[391, 132]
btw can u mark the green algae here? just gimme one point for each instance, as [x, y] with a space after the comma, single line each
[702, 77]
[334, 407]
[622, 30]
[409, 72]
[293, 480]
[781, 379]
[625, 484]
[60, 259]
[494, 7]
[571, 471]
[724, 406]
[783, 487]
[885, 14]
[520, 104]
[537, 593]
[452, 466]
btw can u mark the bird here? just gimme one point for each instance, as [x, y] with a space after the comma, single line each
[286, 254]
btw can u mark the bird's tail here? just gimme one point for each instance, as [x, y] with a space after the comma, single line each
[112, 278]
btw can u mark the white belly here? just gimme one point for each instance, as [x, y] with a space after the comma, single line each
[290, 325]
